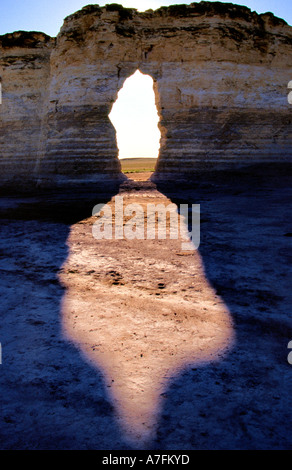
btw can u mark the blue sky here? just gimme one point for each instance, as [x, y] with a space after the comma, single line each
[134, 113]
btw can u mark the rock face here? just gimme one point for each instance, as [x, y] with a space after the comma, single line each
[25, 76]
[220, 77]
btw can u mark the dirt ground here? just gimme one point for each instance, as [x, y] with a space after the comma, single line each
[141, 343]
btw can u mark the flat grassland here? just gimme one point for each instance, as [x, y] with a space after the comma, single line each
[137, 165]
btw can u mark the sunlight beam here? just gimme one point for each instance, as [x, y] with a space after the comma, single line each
[138, 335]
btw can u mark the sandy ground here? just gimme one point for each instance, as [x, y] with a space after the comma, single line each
[141, 344]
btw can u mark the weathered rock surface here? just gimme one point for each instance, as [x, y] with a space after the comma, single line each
[220, 77]
[25, 75]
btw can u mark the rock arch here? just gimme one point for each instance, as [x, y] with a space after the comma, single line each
[220, 74]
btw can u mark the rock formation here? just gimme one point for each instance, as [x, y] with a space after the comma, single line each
[220, 77]
[25, 76]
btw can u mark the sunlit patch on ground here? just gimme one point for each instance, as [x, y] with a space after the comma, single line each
[141, 311]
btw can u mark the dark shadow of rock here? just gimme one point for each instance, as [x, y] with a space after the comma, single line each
[244, 401]
[51, 398]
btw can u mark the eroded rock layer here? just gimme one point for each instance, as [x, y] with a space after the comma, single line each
[220, 77]
[25, 75]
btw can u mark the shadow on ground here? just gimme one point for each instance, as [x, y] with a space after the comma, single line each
[243, 402]
[52, 399]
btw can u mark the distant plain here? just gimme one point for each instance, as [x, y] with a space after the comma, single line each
[137, 165]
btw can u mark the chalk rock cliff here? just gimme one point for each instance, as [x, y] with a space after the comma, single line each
[25, 75]
[220, 77]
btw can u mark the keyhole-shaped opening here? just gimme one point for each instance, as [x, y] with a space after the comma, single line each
[135, 118]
